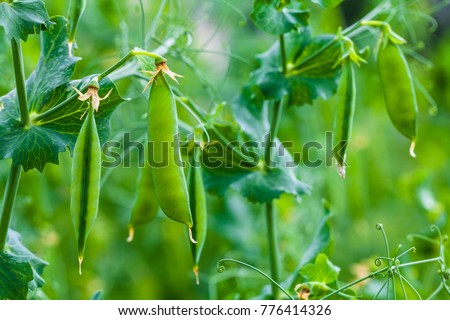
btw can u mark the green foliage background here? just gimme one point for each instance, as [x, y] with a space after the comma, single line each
[383, 185]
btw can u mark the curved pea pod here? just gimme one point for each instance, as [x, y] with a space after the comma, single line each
[344, 116]
[145, 206]
[85, 185]
[197, 199]
[398, 89]
[164, 153]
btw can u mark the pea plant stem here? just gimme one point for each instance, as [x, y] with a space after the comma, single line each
[381, 271]
[20, 82]
[273, 247]
[270, 213]
[8, 203]
[283, 54]
[14, 174]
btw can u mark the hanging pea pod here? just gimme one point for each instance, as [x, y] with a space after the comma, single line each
[164, 153]
[197, 200]
[398, 89]
[344, 116]
[85, 185]
[145, 206]
[76, 10]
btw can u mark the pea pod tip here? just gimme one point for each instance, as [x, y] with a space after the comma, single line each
[341, 170]
[197, 278]
[80, 263]
[130, 234]
[411, 149]
[191, 236]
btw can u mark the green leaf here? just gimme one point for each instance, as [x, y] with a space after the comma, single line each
[320, 243]
[250, 116]
[321, 239]
[322, 270]
[21, 18]
[272, 17]
[14, 277]
[259, 185]
[327, 3]
[20, 270]
[15, 247]
[48, 86]
[255, 182]
[311, 69]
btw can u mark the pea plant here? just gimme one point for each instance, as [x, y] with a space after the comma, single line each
[234, 145]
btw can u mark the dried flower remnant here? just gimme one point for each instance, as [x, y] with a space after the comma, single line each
[161, 67]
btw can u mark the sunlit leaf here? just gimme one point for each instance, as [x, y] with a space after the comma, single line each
[322, 270]
[311, 69]
[271, 17]
[22, 18]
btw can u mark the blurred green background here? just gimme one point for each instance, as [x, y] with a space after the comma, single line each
[383, 185]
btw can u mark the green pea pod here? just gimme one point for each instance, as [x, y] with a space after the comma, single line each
[145, 206]
[344, 116]
[85, 186]
[164, 152]
[76, 10]
[398, 89]
[197, 199]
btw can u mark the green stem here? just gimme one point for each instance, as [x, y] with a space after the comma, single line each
[351, 284]
[437, 259]
[117, 65]
[142, 24]
[221, 268]
[355, 28]
[8, 203]
[270, 214]
[273, 247]
[419, 262]
[20, 82]
[283, 54]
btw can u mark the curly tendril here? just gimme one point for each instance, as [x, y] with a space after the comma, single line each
[379, 261]
[379, 226]
[221, 268]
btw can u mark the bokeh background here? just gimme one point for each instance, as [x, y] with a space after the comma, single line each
[219, 43]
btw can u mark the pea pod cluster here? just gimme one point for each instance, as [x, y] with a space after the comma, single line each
[344, 117]
[85, 185]
[398, 89]
[144, 207]
[164, 153]
[197, 198]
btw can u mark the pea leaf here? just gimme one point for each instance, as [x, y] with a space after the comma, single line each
[256, 183]
[327, 3]
[322, 237]
[322, 270]
[272, 17]
[48, 86]
[20, 270]
[22, 18]
[311, 69]
[320, 243]
[14, 277]
[15, 247]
